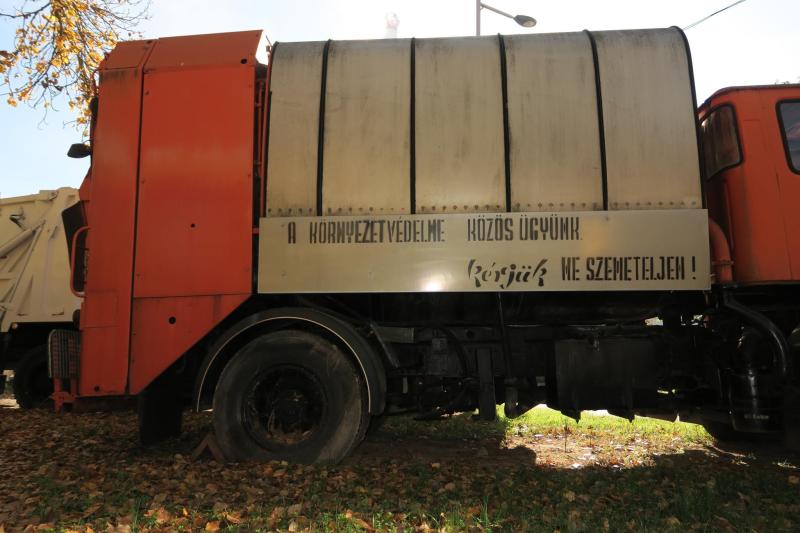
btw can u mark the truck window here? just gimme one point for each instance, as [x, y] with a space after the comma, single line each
[720, 141]
[789, 117]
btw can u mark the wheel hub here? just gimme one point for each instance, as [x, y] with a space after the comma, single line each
[285, 407]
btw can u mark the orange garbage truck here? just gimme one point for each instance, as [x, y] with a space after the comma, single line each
[344, 230]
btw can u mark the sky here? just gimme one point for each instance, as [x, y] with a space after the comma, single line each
[756, 42]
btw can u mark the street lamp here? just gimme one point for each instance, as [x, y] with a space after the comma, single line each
[522, 20]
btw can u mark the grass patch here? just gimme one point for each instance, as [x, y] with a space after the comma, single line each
[544, 421]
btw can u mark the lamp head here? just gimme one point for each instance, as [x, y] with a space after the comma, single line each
[525, 21]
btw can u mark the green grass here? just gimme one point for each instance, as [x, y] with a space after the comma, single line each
[543, 421]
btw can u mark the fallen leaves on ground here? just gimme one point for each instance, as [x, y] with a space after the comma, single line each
[86, 473]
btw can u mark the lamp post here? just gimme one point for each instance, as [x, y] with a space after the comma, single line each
[522, 20]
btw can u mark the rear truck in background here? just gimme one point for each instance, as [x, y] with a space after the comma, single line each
[35, 295]
[347, 230]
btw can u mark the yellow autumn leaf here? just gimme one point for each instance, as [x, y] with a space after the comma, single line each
[57, 47]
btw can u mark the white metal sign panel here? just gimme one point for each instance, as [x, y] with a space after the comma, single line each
[578, 251]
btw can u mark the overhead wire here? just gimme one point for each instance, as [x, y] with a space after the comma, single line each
[693, 24]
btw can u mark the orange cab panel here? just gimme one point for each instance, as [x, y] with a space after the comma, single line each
[170, 326]
[753, 195]
[110, 209]
[195, 183]
[194, 228]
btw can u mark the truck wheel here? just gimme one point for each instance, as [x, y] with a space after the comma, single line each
[32, 384]
[290, 395]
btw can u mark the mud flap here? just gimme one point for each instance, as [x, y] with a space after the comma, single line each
[487, 402]
[160, 409]
[791, 420]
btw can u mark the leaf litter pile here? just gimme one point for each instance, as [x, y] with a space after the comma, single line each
[541, 472]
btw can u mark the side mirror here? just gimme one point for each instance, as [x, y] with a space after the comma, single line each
[79, 150]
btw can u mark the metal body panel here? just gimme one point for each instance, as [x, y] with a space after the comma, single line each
[648, 112]
[195, 198]
[295, 80]
[552, 113]
[170, 191]
[755, 202]
[459, 126]
[34, 259]
[208, 50]
[580, 251]
[366, 166]
[164, 328]
[110, 207]
[195, 182]
[555, 136]
[127, 54]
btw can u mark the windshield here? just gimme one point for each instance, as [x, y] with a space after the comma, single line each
[789, 113]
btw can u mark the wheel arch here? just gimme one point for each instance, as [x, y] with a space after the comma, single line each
[334, 328]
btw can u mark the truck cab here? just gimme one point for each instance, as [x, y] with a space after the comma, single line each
[751, 147]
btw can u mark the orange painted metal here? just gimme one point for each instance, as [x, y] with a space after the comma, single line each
[62, 397]
[129, 54]
[165, 328]
[756, 201]
[196, 191]
[109, 195]
[720, 254]
[170, 203]
[206, 51]
[196, 183]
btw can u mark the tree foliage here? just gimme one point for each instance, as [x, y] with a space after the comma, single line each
[58, 45]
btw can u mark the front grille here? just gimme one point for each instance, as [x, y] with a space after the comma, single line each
[64, 349]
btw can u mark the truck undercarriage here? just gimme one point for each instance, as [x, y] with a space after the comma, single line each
[690, 355]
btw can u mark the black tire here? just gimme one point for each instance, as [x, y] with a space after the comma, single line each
[290, 395]
[375, 424]
[32, 384]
